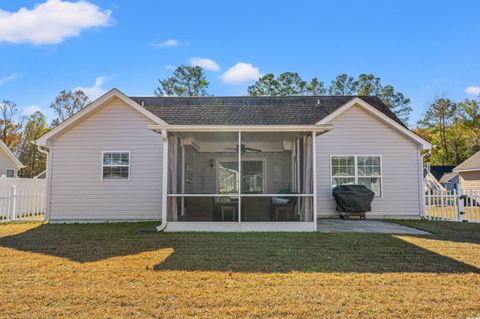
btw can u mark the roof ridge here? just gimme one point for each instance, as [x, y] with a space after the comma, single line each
[256, 97]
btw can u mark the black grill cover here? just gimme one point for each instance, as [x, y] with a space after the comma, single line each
[353, 198]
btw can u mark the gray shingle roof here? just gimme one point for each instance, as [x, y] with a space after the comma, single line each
[242, 110]
[447, 177]
[472, 162]
[439, 170]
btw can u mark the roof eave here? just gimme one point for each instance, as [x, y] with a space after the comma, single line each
[242, 128]
[466, 170]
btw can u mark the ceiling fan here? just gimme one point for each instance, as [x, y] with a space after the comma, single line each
[244, 149]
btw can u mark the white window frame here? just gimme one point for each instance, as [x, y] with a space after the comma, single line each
[116, 165]
[355, 156]
[234, 160]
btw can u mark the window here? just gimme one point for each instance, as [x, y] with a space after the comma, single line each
[10, 172]
[115, 165]
[252, 177]
[359, 169]
[227, 177]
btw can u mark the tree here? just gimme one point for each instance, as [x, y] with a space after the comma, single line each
[470, 116]
[266, 85]
[396, 101]
[316, 87]
[439, 117]
[11, 123]
[286, 84]
[186, 81]
[28, 154]
[291, 83]
[68, 103]
[343, 85]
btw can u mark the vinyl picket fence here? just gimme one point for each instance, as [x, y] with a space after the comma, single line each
[453, 205]
[22, 199]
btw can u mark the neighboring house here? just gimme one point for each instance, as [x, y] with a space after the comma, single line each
[469, 173]
[440, 177]
[229, 163]
[450, 181]
[9, 164]
[431, 183]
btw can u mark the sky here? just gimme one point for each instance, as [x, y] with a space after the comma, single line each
[425, 49]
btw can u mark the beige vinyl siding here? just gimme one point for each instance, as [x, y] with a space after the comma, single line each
[357, 132]
[470, 181]
[77, 189]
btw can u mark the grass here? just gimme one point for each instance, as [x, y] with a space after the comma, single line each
[126, 271]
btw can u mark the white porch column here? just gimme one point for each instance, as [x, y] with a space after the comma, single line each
[164, 175]
[239, 180]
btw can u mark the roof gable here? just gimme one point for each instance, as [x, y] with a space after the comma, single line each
[381, 115]
[101, 101]
[10, 155]
[470, 164]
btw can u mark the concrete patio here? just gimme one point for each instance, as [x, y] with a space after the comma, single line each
[365, 226]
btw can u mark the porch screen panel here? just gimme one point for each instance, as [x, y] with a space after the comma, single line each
[208, 163]
[207, 178]
[272, 178]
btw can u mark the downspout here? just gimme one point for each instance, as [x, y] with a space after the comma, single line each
[163, 224]
[47, 179]
[422, 182]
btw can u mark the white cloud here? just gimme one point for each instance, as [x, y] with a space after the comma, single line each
[96, 90]
[474, 90]
[29, 110]
[51, 21]
[240, 72]
[9, 78]
[170, 67]
[167, 44]
[205, 63]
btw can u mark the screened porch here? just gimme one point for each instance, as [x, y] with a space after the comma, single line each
[240, 177]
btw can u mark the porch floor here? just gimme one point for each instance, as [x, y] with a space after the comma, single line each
[365, 226]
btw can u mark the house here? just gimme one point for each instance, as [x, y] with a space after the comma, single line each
[469, 173]
[430, 183]
[9, 163]
[229, 163]
[440, 178]
[450, 181]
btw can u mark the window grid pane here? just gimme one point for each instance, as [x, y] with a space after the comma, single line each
[369, 166]
[116, 165]
[343, 166]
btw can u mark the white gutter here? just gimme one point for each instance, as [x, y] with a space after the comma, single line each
[466, 170]
[421, 185]
[242, 128]
[47, 180]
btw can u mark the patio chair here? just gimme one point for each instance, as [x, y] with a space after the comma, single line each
[283, 208]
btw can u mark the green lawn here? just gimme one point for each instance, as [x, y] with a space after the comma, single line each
[128, 271]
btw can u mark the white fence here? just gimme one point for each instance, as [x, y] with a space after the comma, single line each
[452, 205]
[22, 199]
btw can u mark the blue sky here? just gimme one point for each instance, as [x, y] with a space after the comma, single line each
[423, 48]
